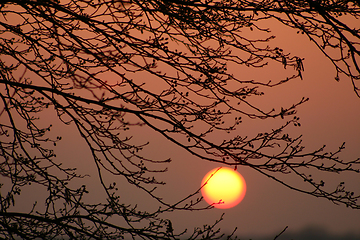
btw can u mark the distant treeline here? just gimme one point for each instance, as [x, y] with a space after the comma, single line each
[309, 233]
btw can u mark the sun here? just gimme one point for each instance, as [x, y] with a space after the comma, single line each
[223, 188]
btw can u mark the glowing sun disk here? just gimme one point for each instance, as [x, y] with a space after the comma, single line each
[223, 187]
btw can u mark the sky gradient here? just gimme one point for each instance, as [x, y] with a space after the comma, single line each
[330, 117]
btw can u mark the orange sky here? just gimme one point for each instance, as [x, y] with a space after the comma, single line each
[332, 116]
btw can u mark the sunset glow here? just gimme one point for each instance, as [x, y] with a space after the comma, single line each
[223, 187]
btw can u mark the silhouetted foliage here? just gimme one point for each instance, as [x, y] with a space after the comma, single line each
[108, 66]
[310, 233]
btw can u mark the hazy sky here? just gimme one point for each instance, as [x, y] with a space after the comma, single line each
[332, 116]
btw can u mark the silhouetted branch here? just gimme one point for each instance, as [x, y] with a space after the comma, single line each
[106, 67]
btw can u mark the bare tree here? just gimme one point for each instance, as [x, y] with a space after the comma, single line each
[107, 66]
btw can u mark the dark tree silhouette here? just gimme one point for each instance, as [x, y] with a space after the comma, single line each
[108, 66]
